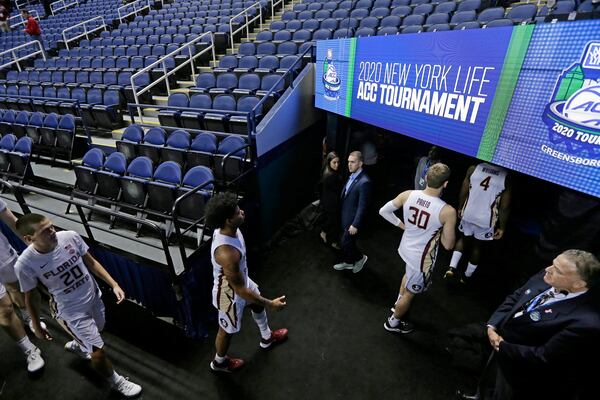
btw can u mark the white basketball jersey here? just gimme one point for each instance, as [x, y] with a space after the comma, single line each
[422, 232]
[223, 294]
[487, 184]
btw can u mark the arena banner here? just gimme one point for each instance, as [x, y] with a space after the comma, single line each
[524, 97]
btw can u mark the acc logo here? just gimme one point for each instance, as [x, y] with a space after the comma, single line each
[417, 288]
[224, 323]
[331, 80]
[573, 115]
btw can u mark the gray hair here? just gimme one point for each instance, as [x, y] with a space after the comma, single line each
[587, 266]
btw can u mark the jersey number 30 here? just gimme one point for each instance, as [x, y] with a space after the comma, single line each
[418, 217]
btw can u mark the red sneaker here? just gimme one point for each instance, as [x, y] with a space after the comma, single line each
[229, 365]
[278, 336]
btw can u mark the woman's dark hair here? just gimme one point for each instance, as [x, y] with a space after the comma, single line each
[219, 208]
[326, 170]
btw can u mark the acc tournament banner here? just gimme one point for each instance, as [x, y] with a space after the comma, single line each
[524, 97]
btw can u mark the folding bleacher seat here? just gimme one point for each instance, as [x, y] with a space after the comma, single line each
[499, 22]
[239, 123]
[288, 15]
[423, 9]
[302, 35]
[401, 11]
[267, 65]
[217, 120]
[329, 24]
[311, 24]
[153, 140]
[282, 36]
[391, 21]
[65, 134]
[359, 13]
[586, 6]
[132, 136]
[469, 5]
[300, 7]
[107, 115]
[467, 25]
[304, 15]
[263, 36]
[86, 173]
[437, 18]
[314, 7]
[162, 189]
[460, 17]
[178, 143]
[20, 124]
[36, 120]
[346, 5]
[381, 3]
[340, 14]
[192, 207]
[364, 32]
[438, 27]
[246, 64]
[202, 150]
[286, 48]
[225, 83]
[277, 26]
[522, 13]
[366, 4]
[412, 29]
[8, 120]
[445, 7]
[230, 158]
[7, 144]
[170, 117]
[322, 14]
[193, 119]
[413, 20]
[248, 84]
[490, 14]
[380, 12]
[19, 158]
[293, 25]
[133, 183]
[204, 82]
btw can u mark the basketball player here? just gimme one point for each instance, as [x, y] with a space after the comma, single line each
[61, 262]
[8, 258]
[428, 220]
[484, 207]
[232, 288]
[13, 326]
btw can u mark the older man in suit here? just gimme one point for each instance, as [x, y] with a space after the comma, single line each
[355, 199]
[547, 333]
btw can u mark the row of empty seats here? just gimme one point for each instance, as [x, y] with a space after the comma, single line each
[15, 155]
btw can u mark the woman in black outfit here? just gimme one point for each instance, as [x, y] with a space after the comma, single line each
[331, 189]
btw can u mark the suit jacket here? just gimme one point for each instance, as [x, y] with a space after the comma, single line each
[550, 343]
[355, 201]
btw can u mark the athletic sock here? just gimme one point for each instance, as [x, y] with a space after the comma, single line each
[114, 378]
[25, 344]
[470, 269]
[456, 255]
[219, 359]
[393, 321]
[263, 324]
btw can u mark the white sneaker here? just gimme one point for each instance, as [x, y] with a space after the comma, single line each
[359, 264]
[126, 388]
[35, 362]
[75, 348]
[342, 266]
[30, 325]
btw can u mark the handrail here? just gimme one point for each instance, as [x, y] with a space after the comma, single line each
[79, 205]
[17, 59]
[64, 5]
[195, 223]
[252, 113]
[85, 30]
[135, 11]
[77, 107]
[33, 13]
[229, 155]
[244, 12]
[165, 76]
[276, 3]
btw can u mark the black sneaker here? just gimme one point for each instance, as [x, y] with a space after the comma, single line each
[402, 327]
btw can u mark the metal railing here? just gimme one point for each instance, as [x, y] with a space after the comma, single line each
[20, 20]
[61, 5]
[246, 25]
[16, 59]
[137, 7]
[18, 191]
[86, 32]
[166, 74]
[275, 3]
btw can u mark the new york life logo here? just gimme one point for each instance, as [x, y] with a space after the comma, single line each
[331, 80]
[573, 116]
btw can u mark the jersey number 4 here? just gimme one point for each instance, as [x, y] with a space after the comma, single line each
[418, 217]
[485, 184]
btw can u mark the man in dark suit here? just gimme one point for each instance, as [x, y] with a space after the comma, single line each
[356, 194]
[547, 332]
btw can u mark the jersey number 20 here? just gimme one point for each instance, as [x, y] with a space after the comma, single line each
[71, 276]
[419, 217]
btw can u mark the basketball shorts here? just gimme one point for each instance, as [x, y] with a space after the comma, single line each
[232, 309]
[2, 291]
[85, 324]
[480, 233]
[417, 281]
[7, 272]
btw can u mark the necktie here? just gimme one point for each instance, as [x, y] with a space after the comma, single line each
[539, 300]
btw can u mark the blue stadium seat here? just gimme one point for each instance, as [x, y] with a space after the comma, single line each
[463, 16]
[522, 13]
[85, 173]
[232, 166]
[490, 14]
[192, 207]
[217, 120]
[109, 176]
[150, 147]
[239, 123]
[19, 158]
[193, 119]
[132, 136]
[178, 143]
[202, 150]
[499, 22]
[162, 190]
[469, 5]
[133, 184]
[170, 117]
